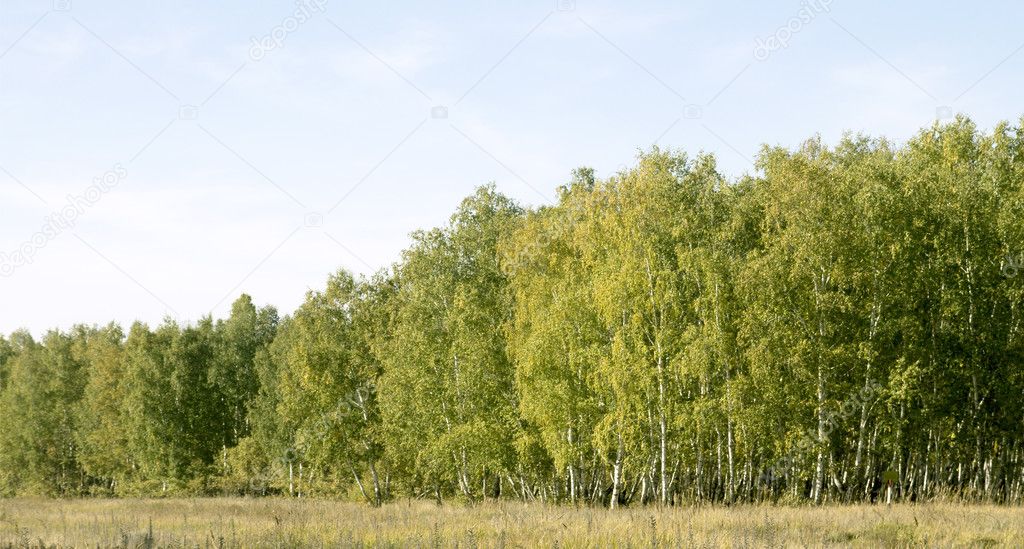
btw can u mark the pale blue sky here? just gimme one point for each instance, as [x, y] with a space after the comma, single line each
[226, 197]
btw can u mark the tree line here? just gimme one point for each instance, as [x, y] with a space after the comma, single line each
[844, 322]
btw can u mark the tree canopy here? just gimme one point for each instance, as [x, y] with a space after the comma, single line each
[844, 322]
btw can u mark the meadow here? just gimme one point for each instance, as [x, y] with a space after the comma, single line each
[238, 522]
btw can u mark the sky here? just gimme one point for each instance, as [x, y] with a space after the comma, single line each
[158, 159]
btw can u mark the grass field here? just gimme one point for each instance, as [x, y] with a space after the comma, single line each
[293, 523]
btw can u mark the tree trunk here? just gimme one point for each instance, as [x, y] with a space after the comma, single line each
[819, 468]
[617, 473]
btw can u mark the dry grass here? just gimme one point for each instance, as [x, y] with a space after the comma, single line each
[292, 523]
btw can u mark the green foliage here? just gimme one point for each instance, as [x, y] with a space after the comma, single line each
[37, 425]
[101, 434]
[658, 336]
[448, 403]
